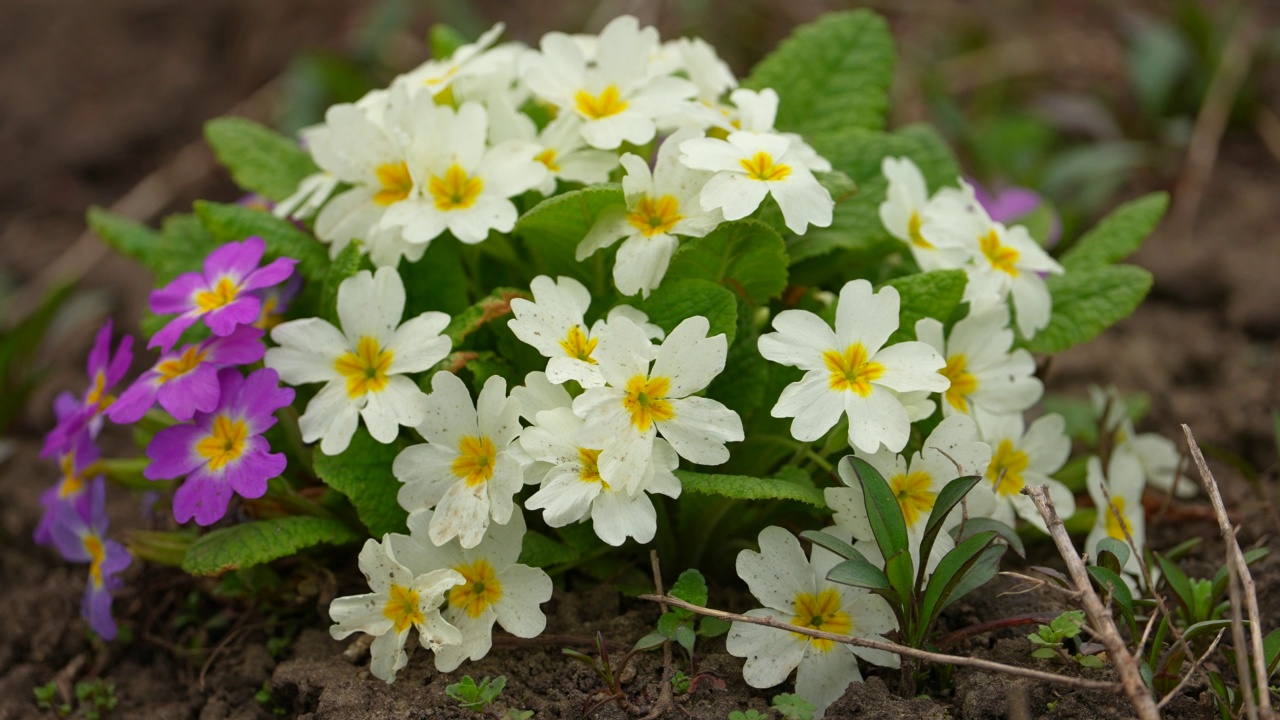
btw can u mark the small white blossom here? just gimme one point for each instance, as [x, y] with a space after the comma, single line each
[559, 146]
[465, 470]
[795, 589]
[363, 365]
[1010, 262]
[909, 215]
[400, 600]
[1158, 455]
[850, 371]
[435, 76]
[1026, 458]
[1124, 513]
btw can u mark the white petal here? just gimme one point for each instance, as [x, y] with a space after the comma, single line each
[523, 590]
[823, 676]
[814, 405]
[418, 344]
[700, 428]
[689, 358]
[771, 653]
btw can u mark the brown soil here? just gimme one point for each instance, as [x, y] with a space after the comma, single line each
[96, 94]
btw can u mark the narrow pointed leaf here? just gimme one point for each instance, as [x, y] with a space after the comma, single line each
[831, 542]
[1112, 554]
[950, 496]
[955, 567]
[973, 526]
[860, 572]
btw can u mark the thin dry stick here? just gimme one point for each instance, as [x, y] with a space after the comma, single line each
[664, 693]
[904, 651]
[1195, 668]
[1099, 617]
[1237, 563]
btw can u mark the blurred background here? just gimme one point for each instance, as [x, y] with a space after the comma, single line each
[1088, 102]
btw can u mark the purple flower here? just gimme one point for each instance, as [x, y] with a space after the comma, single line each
[104, 372]
[72, 486]
[222, 451]
[81, 537]
[221, 294]
[186, 380]
[1011, 204]
[275, 302]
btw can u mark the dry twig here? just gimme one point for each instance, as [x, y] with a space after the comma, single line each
[1099, 617]
[904, 651]
[1240, 582]
[664, 693]
[1195, 668]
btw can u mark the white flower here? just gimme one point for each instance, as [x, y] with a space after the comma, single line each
[749, 166]
[553, 324]
[987, 379]
[617, 97]
[756, 112]
[1124, 483]
[660, 206]
[850, 371]
[495, 587]
[908, 215]
[465, 470]
[1020, 459]
[795, 590]
[400, 600]
[560, 146]
[437, 75]
[363, 365]
[952, 450]
[1010, 261]
[573, 486]
[1158, 455]
[311, 194]
[638, 401]
[460, 184]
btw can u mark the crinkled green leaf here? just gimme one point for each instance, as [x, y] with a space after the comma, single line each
[260, 159]
[830, 74]
[445, 40]
[436, 282]
[1117, 235]
[742, 487]
[493, 307]
[742, 385]
[933, 294]
[673, 303]
[344, 266]
[178, 249]
[690, 587]
[254, 543]
[746, 256]
[541, 551]
[362, 472]
[1088, 301]
[555, 226]
[233, 223]
[858, 153]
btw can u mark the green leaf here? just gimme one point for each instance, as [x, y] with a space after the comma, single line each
[1111, 582]
[1118, 235]
[669, 622]
[713, 627]
[858, 153]
[344, 266]
[1178, 583]
[1112, 554]
[445, 41]
[541, 551]
[746, 256]
[672, 303]
[690, 587]
[685, 636]
[260, 159]
[883, 511]
[362, 472]
[1044, 653]
[831, 74]
[742, 386]
[555, 226]
[831, 542]
[232, 223]
[254, 543]
[1090, 661]
[650, 641]
[946, 500]
[951, 571]
[1088, 301]
[165, 253]
[1271, 651]
[976, 571]
[438, 281]
[741, 487]
[973, 526]
[497, 305]
[933, 294]
[860, 572]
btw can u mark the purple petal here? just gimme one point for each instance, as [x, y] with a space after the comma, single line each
[170, 333]
[65, 404]
[96, 609]
[136, 400]
[273, 274]
[114, 560]
[243, 310]
[261, 397]
[241, 347]
[173, 452]
[1012, 204]
[178, 296]
[121, 362]
[202, 497]
[234, 260]
[249, 474]
[100, 355]
[191, 392]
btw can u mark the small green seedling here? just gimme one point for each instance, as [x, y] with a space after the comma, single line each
[610, 674]
[683, 628]
[479, 697]
[793, 707]
[1050, 640]
[748, 715]
[94, 699]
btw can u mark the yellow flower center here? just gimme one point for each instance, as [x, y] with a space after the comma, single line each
[608, 102]
[851, 370]
[821, 612]
[590, 472]
[474, 463]
[913, 231]
[456, 190]
[1006, 468]
[72, 483]
[225, 443]
[366, 368]
[548, 157]
[396, 183]
[482, 589]
[402, 608]
[93, 544]
[222, 294]
[963, 383]
[269, 318]
[190, 360]
[915, 495]
[576, 345]
[762, 167]
[1117, 521]
[645, 400]
[1001, 257]
[655, 217]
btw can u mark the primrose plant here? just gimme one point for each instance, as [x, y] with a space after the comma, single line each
[529, 308]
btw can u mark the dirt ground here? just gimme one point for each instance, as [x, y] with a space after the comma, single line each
[97, 94]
